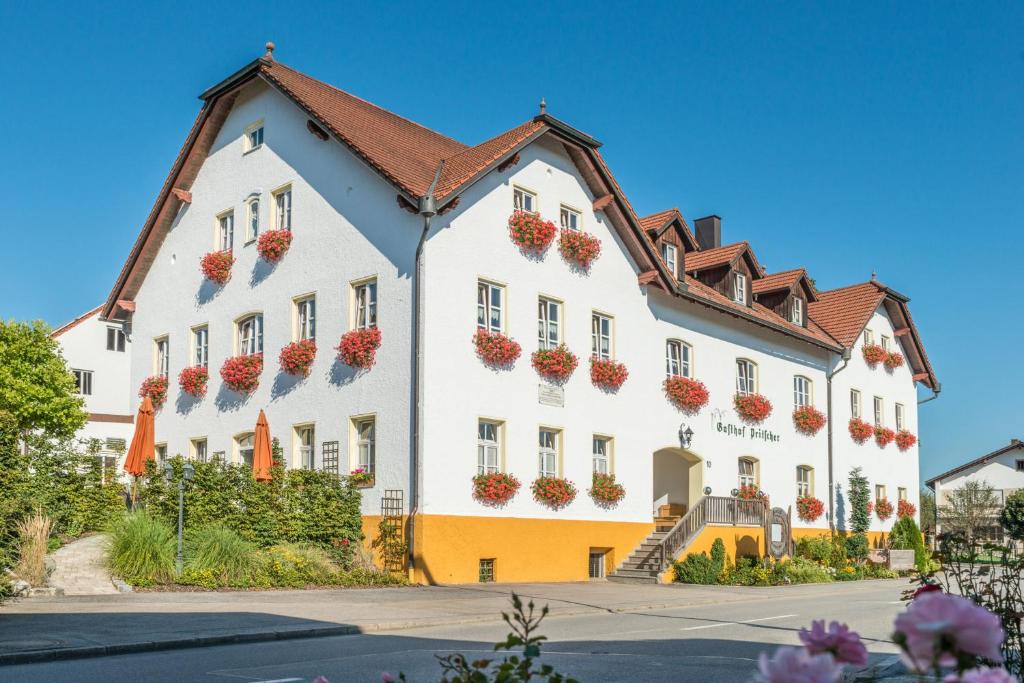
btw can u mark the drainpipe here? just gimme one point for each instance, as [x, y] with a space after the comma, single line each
[935, 394]
[831, 477]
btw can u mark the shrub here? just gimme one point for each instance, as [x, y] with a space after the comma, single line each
[33, 543]
[216, 266]
[808, 420]
[495, 489]
[242, 373]
[857, 547]
[800, 570]
[579, 248]
[605, 491]
[696, 568]
[192, 380]
[530, 232]
[859, 497]
[906, 535]
[554, 492]
[839, 558]
[607, 374]
[860, 431]
[556, 364]
[228, 559]
[495, 349]
[688, 395]
[817, 548]
[358, 348]
[141, 549]
[718, 558]
[752, 408]
[297, 358]
[1012, 515]
[273, 244]
[297, 565]
[156, 388]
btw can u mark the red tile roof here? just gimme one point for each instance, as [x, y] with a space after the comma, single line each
[844, 312]
[462, 166]
[74, 323]
[776, 281]
[656, 220]
[712, 258]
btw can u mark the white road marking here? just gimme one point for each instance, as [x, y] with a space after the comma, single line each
[736, 623]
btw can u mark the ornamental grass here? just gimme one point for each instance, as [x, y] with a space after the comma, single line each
[495, 489]
[809, 508]
[297, 358]
[242, 373]
[874, 354]
[273, 244]
[216, 266]
[905, 439]
[860, 431]
[808, 420]
[141, 549]
[156, 388]
[605, 491]
[530, 232]
[555, 364]
[687, 395]
[33, 544]
[894, 360]
[226, 556]
[752, 408]
[607, 374]
[495, 349]
[193, 380]
[883, 508]
[884, 436]
[554, 492]
[358, 348]
[579, 248]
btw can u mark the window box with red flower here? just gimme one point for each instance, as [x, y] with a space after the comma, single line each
[297, 358]
[273, 244]
[752, 408]
[884, 436]
[530, 232]
[495, 489]
[605, 491]
[579, 248]
[192, 380]
[359, 478]
[156, 388]
[809, 508]
[860, 431]
[748, 492]
[808, 420]
[893, 360]
[358, 348]
[607, 374]
[554, 492]
[495, 349]
[216, 266]
[242, 373]
[883, 508]
[688, 395]
[874, 354]
[871, 506]
[904, 508]
[556, 364]
[905, 439]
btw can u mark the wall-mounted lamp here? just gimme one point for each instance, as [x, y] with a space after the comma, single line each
[685, 435]
[707, 490]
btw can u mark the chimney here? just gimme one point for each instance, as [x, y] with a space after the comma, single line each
[709, 232]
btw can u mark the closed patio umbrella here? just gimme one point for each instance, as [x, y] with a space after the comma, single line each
[142, 448]
[261, 457]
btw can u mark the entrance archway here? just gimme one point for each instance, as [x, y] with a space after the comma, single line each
[678, 480]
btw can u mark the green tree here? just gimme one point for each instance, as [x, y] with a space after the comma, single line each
[859, 496]
[969, 508]
[1012, 516]
[927, 512]
[36, 387]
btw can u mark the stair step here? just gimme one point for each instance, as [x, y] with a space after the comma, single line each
[632, 579]
[635, 573]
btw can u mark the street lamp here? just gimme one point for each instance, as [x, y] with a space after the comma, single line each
[187, 472]
[685, 436]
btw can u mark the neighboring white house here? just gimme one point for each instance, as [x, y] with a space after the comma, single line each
[403, 229]
[98, 353]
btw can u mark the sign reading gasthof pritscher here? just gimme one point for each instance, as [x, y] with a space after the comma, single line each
[722, 422]
[550, 395]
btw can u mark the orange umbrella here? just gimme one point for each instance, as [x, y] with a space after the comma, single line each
[261, 458]
[142, 448]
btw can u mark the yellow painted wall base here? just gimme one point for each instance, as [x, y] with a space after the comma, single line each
[745, 541]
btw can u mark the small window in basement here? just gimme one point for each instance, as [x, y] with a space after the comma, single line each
[487, 570]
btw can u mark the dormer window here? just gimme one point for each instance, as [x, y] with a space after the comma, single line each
[796, 311]
[669, 254]
[739, 288]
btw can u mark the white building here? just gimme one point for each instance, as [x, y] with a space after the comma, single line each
[403, 229]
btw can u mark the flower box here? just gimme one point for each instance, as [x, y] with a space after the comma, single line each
[752, 408]
[216, 266]
[530, 232]
[894, 360]
[579, 248]
[905, 508]
[156, 388]
[884, 436]
[809, 508]
[192, 380]
[860, 431]
[688, 395]
[495, 349]
[361, 479]
[556, 364]
[358, 348]
[905, 439]
[607, 374]
[883, 509]
[605, 491]
[751, 492]
[242, 373]
[808, 420]
[554, 492]
[495, 489]
[273, 244]
[297, 358]
[874, 354]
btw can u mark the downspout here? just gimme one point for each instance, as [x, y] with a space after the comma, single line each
[831, 475]
[935, 394]
[935, 508]
[427, 209]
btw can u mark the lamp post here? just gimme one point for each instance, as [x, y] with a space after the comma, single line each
[187, 472]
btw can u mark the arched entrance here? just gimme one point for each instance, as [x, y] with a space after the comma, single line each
[678, 481]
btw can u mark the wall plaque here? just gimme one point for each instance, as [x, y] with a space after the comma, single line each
[551, 395]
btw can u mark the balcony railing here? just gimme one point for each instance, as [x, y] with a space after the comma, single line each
[711, 510]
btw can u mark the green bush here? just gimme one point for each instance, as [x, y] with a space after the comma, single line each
[1012, 515]
[697, 568]
[817, 548]
[906, 535]
[141, 549]
[857, 547]
[223, 556]
[718, 558]
[838, 560]
[299, 564]
[801, 570]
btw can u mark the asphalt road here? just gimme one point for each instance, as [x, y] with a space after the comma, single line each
[706, 643]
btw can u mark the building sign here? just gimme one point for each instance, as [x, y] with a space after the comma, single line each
[723, 425]
[551, 395]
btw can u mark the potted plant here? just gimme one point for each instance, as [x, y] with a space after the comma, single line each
[884, 436]
[495, 489]
[752, 408]
[242, 373]
[358, 348]
[607, 374]
[530, 232]
[883, 508]
[156, 388]
[579, 248]
[688, 395]
[905, 439]
[860, 431]
[605, 491]
[192, 380]
[893, 360]
[297, 358]
[809, 508]
[273, 244]
[556, 364]
[554, 492]
[874, 354]
[904, 508]
[808, 420]
[359, 478]
[495, 349]
[216, 266]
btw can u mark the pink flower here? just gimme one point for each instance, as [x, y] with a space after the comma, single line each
[838, 640]
[983, 674]
[797, 665]
[928, 588]
[385, 677]
[937, 628]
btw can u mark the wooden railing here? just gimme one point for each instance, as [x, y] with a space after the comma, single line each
[710, 510]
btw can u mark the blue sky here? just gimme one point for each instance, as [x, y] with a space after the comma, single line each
[844, 137]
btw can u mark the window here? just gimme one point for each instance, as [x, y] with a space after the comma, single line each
[490, 299]
[115, 339]
[160, 453]
[601, 336]
[547, 452]
[83, 381]
[901, 493]
[488, 447]
[739, 288]
[668, 254]
[803, 481]
[549, 323]
[570, 218]
[596, 564]
[199, 450]
[201, 346]
[747, 475]
[801, 392]
[226, 230]
[900, 426]
[366, 444]
[243, 444]
[162, 347]
[366, 304]
[602, 452]
[746, 377]
[524, 200]
[879, 411]
[283, 209]
[487, 570]
[305, 440]
[869, 338]
[796, 312]
[250, 334]
[885, 342]
[880, 492]
[854, 403]
[305, 318]
[254, 136]
[1020, 465]
[677, 358]
[252, 226]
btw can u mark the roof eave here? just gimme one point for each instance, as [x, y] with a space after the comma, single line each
[575, 133]
[234, 80]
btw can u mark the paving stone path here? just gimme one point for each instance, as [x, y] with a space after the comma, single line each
[79, 568]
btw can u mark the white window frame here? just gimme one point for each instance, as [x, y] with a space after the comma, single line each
[283, 207]
[746, 377]
[869, 338]
[881, 493]
[250, 324]
[804, 480]
[160, 452]
[678, 358]
[486, 308]
[601, 453]
[488, 446]
[549, 451]
[252, 219]
[226, 230]
[162, 356]
[602, 335]
[879, 406]
[244, 444]
[901, 493]
[524, 200]
[886, 342]
[856, 407]
[901, 421]
[569, 218]
[83, 381]
[744, 477]
[739, 287]
[670, 254]
[549, 322]
[201, 346]
[253, 136]
[803, 392]
[304, 436]
[305, 317]
[199, 449]
[364, 304]
[116, 339]
[365, 437]
[796, 311]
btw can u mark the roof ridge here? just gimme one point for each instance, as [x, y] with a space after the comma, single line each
[74, 321]
[471, 148]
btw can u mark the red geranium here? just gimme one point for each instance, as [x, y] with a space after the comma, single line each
[555, 364]
[871, 506]
[607, 374]
[530, 232]
[297, 357]
[495, 489]
[272, 244]
[605, 491]
[496, 349]
[860, 430]
[884, 436]
[688, 395]
[242, 373]
[894, 360]
[358, 348]
[748, 492]
[905, 439]
[905, 508]
[555, 492]
[809, 508]
[808, 420]
[883, 509]
[193, 380]
[579, 247]
[874, 354]
[752, 408]
[156, 388]
[217, 266]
